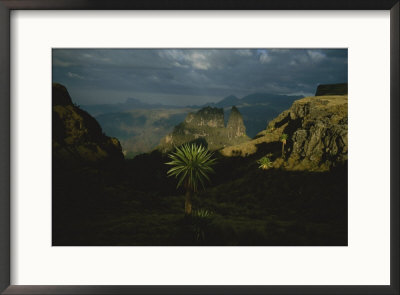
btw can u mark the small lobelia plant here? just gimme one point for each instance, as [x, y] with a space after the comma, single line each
[265, 163]
[201, 220]
[192, 164]
[202, 213]
[283, 139]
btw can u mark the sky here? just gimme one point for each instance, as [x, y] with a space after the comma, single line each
[193, 76]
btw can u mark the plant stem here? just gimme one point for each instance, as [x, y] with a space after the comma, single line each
[188, 202]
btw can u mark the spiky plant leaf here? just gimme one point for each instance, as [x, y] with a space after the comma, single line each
[284, 137]
[192, 164]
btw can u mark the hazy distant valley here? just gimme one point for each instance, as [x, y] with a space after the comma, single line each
[140, 130]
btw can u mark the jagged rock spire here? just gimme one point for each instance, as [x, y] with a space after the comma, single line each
[208, 116]
[207, 126]
[235, 126]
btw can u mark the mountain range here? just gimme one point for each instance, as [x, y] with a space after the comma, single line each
[140, 126]
[128, 104]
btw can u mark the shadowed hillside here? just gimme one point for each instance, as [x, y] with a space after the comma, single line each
[77, 136]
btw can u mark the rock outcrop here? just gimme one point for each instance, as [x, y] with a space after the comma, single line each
[235, 126]
[317, 135]
[77, 136]
[332, 89]
[207, 127]
[211, 117]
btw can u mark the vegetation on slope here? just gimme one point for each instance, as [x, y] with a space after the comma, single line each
[316, 135]
[139, 205]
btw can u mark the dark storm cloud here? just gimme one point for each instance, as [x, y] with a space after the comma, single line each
[186, 77]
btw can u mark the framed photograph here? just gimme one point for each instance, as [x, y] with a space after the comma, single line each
[187, 171]
[202, 148]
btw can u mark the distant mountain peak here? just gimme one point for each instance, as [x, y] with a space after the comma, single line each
[230, 97]
[228, 101]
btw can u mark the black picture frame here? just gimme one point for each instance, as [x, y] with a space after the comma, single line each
[6, 6]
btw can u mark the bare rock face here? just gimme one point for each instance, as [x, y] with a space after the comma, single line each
[77, 136]
[320, 141]
[211, 117]
[317, 135]
[235, 126]
[207, 127]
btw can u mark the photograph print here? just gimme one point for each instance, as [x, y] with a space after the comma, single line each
[199, 147]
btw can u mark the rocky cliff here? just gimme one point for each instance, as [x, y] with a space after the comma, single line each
[211, 117]
[207, 127]
[77, 136]
[316, 128]
[332, 89]
[235, 126]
